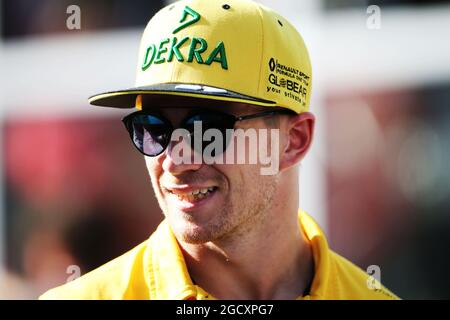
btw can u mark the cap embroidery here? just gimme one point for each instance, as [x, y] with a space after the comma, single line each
[156, 53]
[196, 52]
[187, 11]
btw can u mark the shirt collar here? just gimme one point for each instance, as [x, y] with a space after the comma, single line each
[321, 254]
[168, 273]
[169, 277]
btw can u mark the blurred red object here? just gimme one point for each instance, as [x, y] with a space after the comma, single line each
[49, 159]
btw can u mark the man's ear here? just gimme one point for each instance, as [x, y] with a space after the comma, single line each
[298, 138]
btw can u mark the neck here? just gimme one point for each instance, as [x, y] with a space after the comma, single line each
[272, 260]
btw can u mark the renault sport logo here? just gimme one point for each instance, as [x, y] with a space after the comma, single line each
[272, 64]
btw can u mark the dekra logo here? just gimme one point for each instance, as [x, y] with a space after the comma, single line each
[163, 53]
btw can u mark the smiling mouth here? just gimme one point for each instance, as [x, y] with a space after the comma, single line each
[194, 195]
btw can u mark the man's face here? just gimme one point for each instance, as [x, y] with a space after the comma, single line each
[203, 202]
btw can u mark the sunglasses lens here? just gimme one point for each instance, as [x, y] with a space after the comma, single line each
[219, 122]
[149, 133]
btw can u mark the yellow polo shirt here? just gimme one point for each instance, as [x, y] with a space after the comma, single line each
[156, 269]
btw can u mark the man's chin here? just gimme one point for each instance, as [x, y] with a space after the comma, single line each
[189, 231]
[197, 228]
[193, 236]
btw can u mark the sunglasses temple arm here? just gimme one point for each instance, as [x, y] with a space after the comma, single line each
[259, 115]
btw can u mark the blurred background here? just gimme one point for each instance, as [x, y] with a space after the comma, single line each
[74, 192]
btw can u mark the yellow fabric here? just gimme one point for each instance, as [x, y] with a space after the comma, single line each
[266, 57]
[156, 269]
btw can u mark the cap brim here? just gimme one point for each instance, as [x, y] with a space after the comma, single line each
[127, 98]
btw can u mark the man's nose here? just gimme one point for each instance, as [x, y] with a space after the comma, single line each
[179, 158]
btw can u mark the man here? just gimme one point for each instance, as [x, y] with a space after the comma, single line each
[232, 229]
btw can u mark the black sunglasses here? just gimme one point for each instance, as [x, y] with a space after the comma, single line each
[150, 132]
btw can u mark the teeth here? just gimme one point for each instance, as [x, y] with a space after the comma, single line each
[200, 196]
[196, 194]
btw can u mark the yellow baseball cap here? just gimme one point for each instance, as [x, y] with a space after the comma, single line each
[229, 50]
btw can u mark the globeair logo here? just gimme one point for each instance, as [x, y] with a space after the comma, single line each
[161, 53]
[288, 81]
